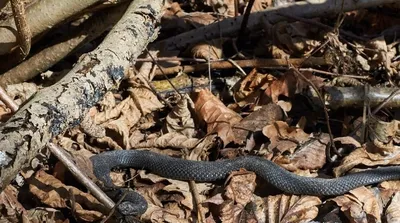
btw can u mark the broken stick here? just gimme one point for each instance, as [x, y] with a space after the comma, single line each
[54, 109]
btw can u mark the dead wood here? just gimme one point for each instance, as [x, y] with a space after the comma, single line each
[24, 33]
[231, 26]
[41, 16]
[49, 56]
[257, 63]
[54, 109]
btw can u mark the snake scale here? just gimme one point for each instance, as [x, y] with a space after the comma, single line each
[207, 171]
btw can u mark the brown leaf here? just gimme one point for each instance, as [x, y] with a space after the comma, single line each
[360, 205]
[180, 119]
[284, 208]
[217, 116]
[208, 51]
[247, 92]
[241, 187]
[9, 204]
[261, 5]
[296, 39]
[311, 155]
[364, 156]
[392, 212]
[290, 84]
[172, 140]
[175, 193]
[54, 193]
[45, 214]
[284, 138]
[256, 121]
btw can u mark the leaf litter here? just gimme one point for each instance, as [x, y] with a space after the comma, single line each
[270, 112]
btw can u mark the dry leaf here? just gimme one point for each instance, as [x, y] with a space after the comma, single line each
[261, 5]
[284, 208]
[54, 193]
[290, 84]
[392, 212]
[256, 121]
[180, 119]
[223, 7]
[296, 39]
[216, 115]
[311, 155]
[175, 193]
[360, 205]
[145, 100]
[247, 91]
[284, 138]
[364, 156]
[173, 140]
[208, 51]
[48, 215]
[9, 205]
[241, 187]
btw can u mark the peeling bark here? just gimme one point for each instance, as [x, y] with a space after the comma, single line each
[54, 109]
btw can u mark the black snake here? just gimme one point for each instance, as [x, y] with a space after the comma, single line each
[203, 171]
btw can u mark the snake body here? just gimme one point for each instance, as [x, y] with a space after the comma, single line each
[205, 171]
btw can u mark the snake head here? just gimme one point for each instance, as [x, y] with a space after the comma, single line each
[127, 208]
[133, 203]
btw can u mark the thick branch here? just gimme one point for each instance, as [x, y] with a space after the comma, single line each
[49, 56]
[63, 105]
[41, 16]
[231, 26]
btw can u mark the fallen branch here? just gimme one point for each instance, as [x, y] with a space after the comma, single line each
[38, 22]
[49, 56]
[231, 26]
[54, 109]
[256, 63]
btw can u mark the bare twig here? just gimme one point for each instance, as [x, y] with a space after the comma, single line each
[332, 143]
[9, 102]
[92, 187]
[257, 63]
[24, 32]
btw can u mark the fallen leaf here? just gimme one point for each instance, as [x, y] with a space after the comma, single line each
[365, 156]
[290, 84]
[180, 119]
[172, 140]
[10, 207]
[176, 194]
[360, 205]
[256, 121]
[392, 212]
[284, 138]
[208, 51]
[45, 214]
[216, 115]
[54, 193]
[284, 208]
[311, 155]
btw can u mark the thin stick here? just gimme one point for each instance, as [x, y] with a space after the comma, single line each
[9, 102]
[325, 112]
[92, 187]
[24, 33]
